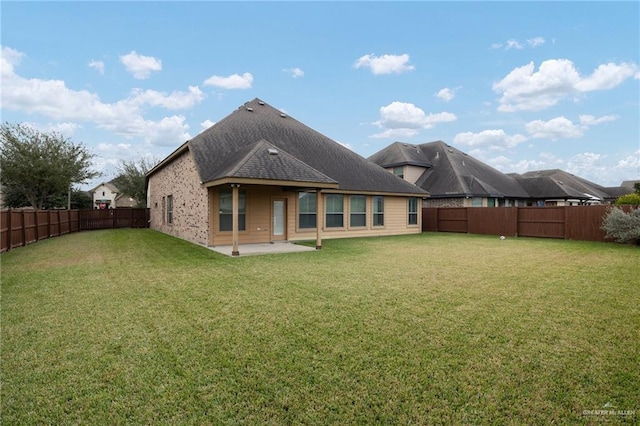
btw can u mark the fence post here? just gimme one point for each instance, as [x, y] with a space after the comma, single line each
[566, 222]
[24, 229]
[9, 230]
[37, 223]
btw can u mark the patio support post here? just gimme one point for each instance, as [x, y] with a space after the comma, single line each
[234, 215]
[319, 218]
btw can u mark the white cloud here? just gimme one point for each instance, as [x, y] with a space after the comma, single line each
[385, 64]
[606, 76]
[8, 59]
[597, 168]
[404, 119]
[554, 129]
[544, 161]
[496, 139]
[536, 41]
[109, 148]
[207, 123]
[513, 44]
[563, 128]
[97, 65]
[526, 89]
[53, 99]
[446, 94]
[234, 81]
[395, 134]
[295, 72]
[632, 164]
[139, 65]
[175, 100]
[65, 128]
[590, 120]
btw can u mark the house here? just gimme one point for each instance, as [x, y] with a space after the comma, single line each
[556, 187]
[452, 177]
[456, 179]
[259, 175]
[107, 196]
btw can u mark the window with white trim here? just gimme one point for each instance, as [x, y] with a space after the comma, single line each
[413, 211]
[170, 209]
[378, 211]
[358, 210]
[307, 208]
[225, 210]
[334, 211]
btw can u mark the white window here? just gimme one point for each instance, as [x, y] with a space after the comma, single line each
[225, 209]
[335, 211]
[358, 210]
[378, 211]
[413, 211]
[170, 209]
[307, 209]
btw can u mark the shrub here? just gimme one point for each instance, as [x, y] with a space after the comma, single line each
[622, 227]
[628, 199]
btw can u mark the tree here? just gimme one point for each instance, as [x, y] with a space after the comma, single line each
[622, 227]
[632, 199]
[13, 198]
[131, 179]
[39, 165]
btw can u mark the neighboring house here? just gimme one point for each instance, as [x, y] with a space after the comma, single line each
[259, 175]
[559, 188]
[107, 196]
[455, 179]
[452, 178]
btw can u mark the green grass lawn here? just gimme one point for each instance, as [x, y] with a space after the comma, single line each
[135, 327]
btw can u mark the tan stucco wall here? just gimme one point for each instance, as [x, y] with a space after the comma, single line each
[413, 173]
[259, 218]
[180, 179]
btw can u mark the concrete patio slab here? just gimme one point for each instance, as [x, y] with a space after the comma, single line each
[263, 248]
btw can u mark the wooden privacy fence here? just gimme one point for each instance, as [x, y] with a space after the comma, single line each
[21, 227]
[569, 223]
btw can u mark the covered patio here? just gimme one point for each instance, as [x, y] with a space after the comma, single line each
[262, 248]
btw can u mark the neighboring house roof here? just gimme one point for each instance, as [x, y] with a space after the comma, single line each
[450, 173]
[629, 184]
[556, 183]
[401, 154]
[109, 186]
[239, 146]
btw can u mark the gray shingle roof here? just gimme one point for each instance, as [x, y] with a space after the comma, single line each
[263, 160]
[235, 145]
[556, 183]
[450, 172]
[401, 154]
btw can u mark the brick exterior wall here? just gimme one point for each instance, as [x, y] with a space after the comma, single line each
[180, 179]
[443, 202]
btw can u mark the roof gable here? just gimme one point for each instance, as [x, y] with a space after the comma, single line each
[455, 173]
[401, 154]
[264, 160]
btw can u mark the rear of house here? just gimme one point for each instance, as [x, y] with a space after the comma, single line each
[261, 176]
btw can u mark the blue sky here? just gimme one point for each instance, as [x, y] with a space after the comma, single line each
[519, 85]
